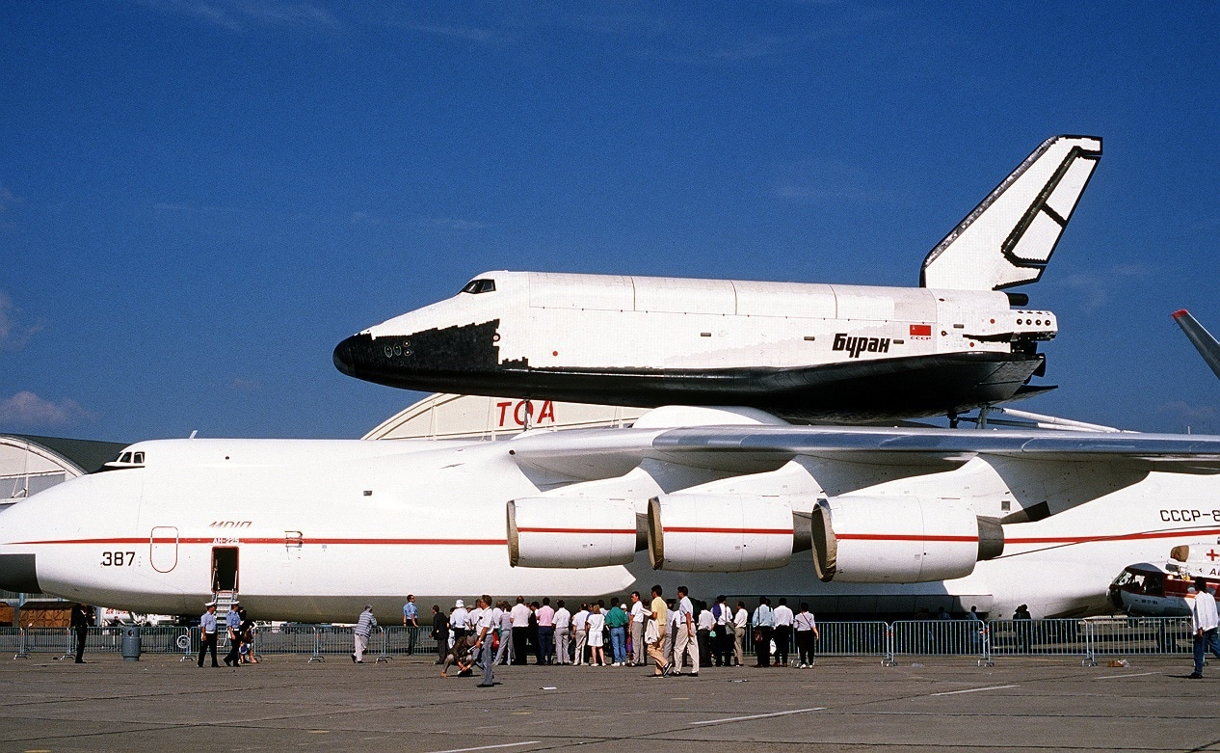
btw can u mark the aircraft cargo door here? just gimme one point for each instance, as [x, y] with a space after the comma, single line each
[163, 548]
[224, 568]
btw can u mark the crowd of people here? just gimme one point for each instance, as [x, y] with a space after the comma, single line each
[675, 637]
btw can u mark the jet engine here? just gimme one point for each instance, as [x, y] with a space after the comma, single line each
[900, 540]
[719, 533]
[570, 532]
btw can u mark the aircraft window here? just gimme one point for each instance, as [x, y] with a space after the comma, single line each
[480, 286]
[126, 459]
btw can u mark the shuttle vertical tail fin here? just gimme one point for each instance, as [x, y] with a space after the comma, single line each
[1008, 239]
[1200, 338]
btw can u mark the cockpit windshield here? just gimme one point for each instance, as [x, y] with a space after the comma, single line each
[126, 459]
[485, 285]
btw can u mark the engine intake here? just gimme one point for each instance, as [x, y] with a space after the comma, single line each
[719, 533]
[570, 532]
[900, 540]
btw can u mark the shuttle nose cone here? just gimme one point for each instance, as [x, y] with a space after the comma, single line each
[380, 362]
[17, 573]
[351, 352]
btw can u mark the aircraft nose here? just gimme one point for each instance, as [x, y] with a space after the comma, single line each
[17, 573]
[384, 361]
[350, 353]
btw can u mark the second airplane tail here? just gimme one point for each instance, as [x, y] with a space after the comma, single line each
[1009, 237]
[1201, 338]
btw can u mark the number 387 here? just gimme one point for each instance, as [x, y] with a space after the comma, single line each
[118, 559]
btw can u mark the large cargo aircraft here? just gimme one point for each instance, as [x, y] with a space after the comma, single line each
[804, 352]
[726, 501]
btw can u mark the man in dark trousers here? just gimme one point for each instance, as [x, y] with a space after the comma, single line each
[207, 633]
[82, 616]
[440, 632]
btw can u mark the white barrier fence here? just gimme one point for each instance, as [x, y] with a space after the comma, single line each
[984, 641]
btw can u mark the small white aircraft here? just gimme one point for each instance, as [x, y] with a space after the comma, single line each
[804, 352]
[730, 501]
[1161, 590]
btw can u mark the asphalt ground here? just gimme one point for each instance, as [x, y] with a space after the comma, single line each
[842, 704]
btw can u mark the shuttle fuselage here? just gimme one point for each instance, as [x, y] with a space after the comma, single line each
[801, 351]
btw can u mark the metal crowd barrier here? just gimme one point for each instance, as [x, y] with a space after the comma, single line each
[851, 639]
[984, 641]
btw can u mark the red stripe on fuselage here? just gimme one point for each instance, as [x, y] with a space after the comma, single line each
[1115, 537]
[280, 541]
[901, 537]
[535, 529]
[693, 529]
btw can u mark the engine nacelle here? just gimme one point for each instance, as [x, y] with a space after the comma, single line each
[570, 532]
[900, 540]
[719, 533]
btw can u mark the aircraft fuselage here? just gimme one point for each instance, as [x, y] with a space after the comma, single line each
[314, 530]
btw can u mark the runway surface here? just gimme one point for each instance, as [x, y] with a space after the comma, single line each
[286, 703]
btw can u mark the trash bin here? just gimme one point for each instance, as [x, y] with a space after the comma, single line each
[131, 643]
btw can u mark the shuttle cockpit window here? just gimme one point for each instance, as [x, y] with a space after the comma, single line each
[480, 286]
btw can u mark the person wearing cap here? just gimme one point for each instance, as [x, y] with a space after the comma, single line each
[459, 620]
[360, 633]
[233, 625]
[1204, 622]
[207, 633]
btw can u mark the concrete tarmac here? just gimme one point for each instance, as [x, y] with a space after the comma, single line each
[843, 704]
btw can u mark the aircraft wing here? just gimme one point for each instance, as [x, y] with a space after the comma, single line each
[742, 449]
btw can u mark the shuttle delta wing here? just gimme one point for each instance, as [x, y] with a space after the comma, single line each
[1200, 338]
[1008, 239]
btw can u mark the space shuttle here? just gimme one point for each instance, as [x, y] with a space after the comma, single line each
[800, 351]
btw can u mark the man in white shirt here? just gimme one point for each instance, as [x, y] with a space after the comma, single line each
[706, 626]
[783, 632]
[580, 636]
[484, 631]
[638, 615]
[521, 629]
[741, 618]
[1204, 622]
[685, 643]
[563, 626]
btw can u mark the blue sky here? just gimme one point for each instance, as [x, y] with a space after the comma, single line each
[200, 198]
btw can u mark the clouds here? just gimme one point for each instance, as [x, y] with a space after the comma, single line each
[1094, 289]
[1189, 415]
[242, 15]
[26, 409]
[14, 332]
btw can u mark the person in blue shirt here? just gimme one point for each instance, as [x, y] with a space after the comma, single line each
[410, 620]
[233, 625]
[764, 624]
